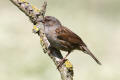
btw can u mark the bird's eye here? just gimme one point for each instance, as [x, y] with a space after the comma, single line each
[46, 19]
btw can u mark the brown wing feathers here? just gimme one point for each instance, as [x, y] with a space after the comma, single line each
[69, 36]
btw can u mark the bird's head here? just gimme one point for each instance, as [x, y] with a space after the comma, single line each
[51, 21]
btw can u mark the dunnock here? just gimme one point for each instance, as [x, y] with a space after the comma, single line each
[64, 39]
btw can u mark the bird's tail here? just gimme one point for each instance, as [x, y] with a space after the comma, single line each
[87, 51]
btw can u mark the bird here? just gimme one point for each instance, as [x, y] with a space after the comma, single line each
[62, 38]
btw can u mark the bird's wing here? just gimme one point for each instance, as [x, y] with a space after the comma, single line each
[67, 35]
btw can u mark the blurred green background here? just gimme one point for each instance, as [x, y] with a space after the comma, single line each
[97, 22]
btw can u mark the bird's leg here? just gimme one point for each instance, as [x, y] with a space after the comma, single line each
[63, 60]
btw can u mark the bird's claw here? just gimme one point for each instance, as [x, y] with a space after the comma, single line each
[61, 62]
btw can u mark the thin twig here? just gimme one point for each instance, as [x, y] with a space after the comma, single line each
[36, 15]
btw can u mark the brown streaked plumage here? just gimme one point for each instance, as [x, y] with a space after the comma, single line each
[64, 39]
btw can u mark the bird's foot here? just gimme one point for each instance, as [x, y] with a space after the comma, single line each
[61, 62]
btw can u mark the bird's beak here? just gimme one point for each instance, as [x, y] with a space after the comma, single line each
[42, 20]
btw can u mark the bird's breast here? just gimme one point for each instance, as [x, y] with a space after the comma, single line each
[52, 38]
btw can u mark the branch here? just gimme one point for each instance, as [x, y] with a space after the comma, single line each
[36, 15]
